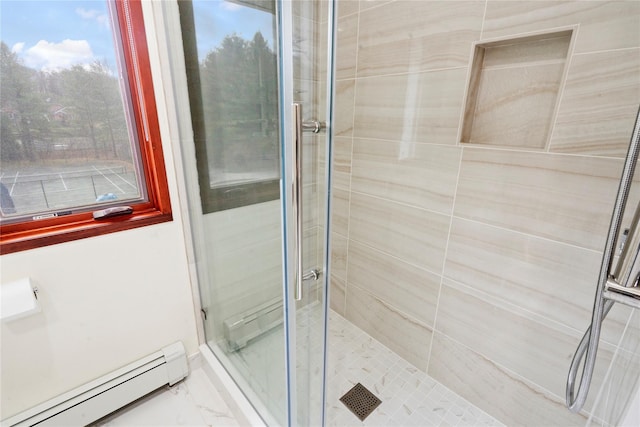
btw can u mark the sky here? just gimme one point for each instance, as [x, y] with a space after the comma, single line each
[57, 34]
[216, 19]
[51, 35]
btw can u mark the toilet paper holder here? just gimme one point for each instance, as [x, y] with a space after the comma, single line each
[19, 299]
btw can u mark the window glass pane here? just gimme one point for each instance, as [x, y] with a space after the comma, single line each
[237, 97]
[65, 142]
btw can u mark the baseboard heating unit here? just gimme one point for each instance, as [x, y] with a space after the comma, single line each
[241, 328]
[94, 400]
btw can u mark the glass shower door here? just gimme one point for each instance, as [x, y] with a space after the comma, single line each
[306, 32]
[248, 62]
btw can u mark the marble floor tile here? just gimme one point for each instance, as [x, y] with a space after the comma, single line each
[409, 396]
[193, 402]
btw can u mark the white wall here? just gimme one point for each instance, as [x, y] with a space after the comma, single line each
[106, 301]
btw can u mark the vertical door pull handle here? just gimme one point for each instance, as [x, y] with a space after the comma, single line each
[297, 197]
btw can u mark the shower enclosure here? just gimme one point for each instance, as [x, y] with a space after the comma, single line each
[257, 72]
[474, 152]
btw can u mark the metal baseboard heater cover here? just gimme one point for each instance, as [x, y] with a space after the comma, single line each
[98, 398]
[241, 328]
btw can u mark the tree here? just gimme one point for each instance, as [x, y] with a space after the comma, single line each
[239, 99]
[94, 97]
[24, 111]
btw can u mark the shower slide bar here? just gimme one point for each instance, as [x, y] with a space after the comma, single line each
[620, 285]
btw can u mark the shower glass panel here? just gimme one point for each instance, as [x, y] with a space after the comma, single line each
[306, 77]
[247, 62]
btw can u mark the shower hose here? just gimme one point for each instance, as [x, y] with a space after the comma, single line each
[588, 347]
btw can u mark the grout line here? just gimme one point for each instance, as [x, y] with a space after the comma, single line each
[620, 49]
[522, 233]
[513, 150]
[515, 309]
[395, 257]
[353, 122]
[444, 260]
[402, 203]
[398, 141]
[484, 18]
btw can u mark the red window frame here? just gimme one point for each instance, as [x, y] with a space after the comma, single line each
[32, 234]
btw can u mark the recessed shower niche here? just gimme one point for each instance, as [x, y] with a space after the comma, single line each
[513, 90]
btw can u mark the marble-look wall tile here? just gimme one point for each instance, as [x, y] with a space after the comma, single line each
[304, 92]
[235, 235]
[630, 339]
[559, 197]
[347, 7]
[401, 285]
[339, 251]
[343, 120]
[527, 227]
[409, 36]
[414, 235]
[604, 25]
[340, 212]
[346, 45]
[551, 279]
[310, 248]
[539, 352]
[417, 107]
[305, 47]
[500, 392]
[369, 4]
[337, 296]
[422, 175]
[599, 104]
[615, 394]
[407, 337]
[310, 205]
[342, 147]
[234, 229]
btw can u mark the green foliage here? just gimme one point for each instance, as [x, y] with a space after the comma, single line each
[239, 99]
[71, 113]
[23, 109]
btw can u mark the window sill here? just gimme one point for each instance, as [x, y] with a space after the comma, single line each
[66, 229]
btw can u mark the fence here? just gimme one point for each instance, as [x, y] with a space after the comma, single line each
[69, 189]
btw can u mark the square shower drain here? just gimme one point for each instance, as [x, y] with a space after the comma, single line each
[360, 401]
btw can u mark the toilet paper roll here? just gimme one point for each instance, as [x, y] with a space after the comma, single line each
[18, 299]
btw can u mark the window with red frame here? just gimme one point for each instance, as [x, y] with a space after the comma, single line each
[80, 148]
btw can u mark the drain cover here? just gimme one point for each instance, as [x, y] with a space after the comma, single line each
[360, 401]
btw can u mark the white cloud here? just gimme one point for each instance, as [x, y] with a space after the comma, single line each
[94, 15]
[230, 6]
[54, 56]
[17, 48]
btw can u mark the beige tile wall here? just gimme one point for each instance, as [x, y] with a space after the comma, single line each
[479, 264]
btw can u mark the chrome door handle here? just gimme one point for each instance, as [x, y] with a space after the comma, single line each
[297, 196]
[313, 126]
[312, 274]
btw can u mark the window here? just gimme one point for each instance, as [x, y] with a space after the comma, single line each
[233, 91]
[79, 124]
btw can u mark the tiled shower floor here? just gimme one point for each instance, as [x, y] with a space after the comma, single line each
[409, 397]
